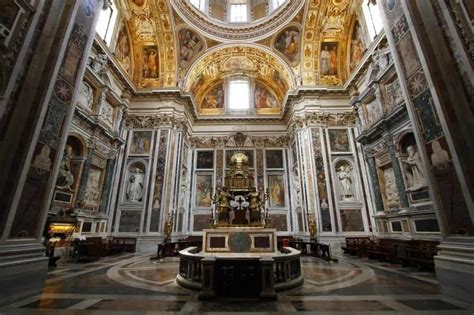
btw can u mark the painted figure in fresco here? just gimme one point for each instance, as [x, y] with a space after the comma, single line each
[190, 45]
[135, 187]
[345, 179]
[223, 204]
[325, 61]
[414, 169]
[65, 177]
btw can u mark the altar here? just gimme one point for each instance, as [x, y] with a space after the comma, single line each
[239, 256]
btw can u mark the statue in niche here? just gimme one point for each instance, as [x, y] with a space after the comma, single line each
[345, 179]
[43, 161]
[414, 169]
[86, 97]
[65, 177]
[98, 63]
[135, 186]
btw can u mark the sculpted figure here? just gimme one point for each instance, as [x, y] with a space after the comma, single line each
[414, 169]
[345, 178]
[135, 187]
[223, 204]
[254, 205]
[65, 177]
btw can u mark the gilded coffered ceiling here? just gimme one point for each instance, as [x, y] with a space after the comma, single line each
[302, 43]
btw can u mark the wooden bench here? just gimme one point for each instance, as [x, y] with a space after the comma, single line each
[419, 253]
[356, 246]
[383, 249]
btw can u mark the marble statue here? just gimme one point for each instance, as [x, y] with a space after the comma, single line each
[414, 169]
[98, 63]
[65, 177]
[439, 155]
[345, 179]
[42, 160]
[135, 186]
[391, 191]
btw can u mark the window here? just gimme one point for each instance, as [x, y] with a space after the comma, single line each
[277, 3]
[199, 4]
[239, 94]
[238, 11]
[106, 23]
[373, 18]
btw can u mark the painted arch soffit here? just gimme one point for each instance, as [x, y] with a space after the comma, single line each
[153, 40]
[208, 73]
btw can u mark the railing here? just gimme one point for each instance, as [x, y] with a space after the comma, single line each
[287, 265]
[286, 269]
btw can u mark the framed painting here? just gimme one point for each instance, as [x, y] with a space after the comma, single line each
[205, 160]
[203, 193]
[274, 158]
[276, 189]
[141, 143]
[339, 140]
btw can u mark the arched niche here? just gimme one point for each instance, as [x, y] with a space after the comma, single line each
[346, 180]
[135, 182]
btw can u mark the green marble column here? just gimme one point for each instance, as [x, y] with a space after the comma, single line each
[84, 176]
[375, 183]
[398, 177]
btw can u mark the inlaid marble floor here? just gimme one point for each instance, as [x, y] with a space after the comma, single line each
[134, 284]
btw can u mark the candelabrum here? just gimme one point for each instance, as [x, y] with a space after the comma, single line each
[311, 225]
[169, 225]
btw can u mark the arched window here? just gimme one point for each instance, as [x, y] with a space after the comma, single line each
[277, 3]
[373, 17]
[239, 94]
[106, 23]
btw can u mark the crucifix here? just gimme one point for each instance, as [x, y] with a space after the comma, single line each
[240, 201]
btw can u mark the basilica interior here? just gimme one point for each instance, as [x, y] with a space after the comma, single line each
[189, 155]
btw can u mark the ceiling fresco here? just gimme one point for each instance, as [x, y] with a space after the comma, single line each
[303, 43]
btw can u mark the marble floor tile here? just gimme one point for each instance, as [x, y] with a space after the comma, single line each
[138, 305]
[423, 305]
[238, 306]
[340, 306]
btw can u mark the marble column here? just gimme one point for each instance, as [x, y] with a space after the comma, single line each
[426, 53]
[398, 177]
[85, 174]
[375, 183]
[109, 172]
[34, 133]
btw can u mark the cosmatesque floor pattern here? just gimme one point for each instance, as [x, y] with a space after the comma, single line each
[134, 284]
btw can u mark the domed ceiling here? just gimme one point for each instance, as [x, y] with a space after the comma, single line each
[300, 44]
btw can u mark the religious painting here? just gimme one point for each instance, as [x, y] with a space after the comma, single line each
[328, 59]
[93, 187]
[351, 220]
[123, 51]
[203, 195]
[214, 98]
[278, 222]
[287, 42]
[263, 98]
[357, 46]
[248, 153]
[276, 188]
[201, 222]
[205, 160]
[274, 158]
[190, 45]
[141, 142]
[339, 140]
[150, 62]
